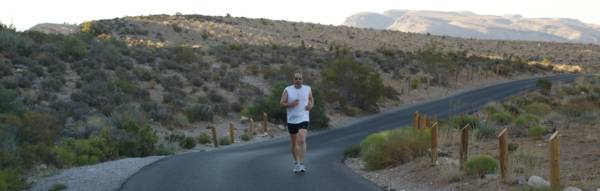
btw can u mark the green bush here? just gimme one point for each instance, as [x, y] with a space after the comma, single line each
[164, 150]
[480, 165]
[175, 138]
[526, 120]
[269, 105]
[9, 102]
[81, 152]
[536, 132]
[486, 132]
[352, 151]
[12, 179]
[461, 121]
[58, 187]
[246, 137]
[204, 138]
[72, 48]
[538, 108]
[388, 148]
[491, 108]
[187, 143]
[135, 139]
[544, 85]
[224, 140]
[199, 112]
[65, 157]
[356, 84]
[502, 118]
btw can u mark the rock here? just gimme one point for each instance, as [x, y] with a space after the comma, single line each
[538, 182]
[521, 180]
[570, 188]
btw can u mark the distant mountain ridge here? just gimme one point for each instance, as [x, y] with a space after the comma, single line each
[471, 25]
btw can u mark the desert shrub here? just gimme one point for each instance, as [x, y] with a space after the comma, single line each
[39, 127]
[72, 48]
[269, 105]
[12, 179]
[127, 86]
[185, 55]
[352, 151]
[134, 138]
[58, 187]
[224, 140]
[170, 82]
[175, 138]
[9, 102]
[204, 138]
[12, 42]
[145, 74]
[502, 118]
[389, 148]
[491, 108]
[158, 112]
[80, 151]
[356, 84]
[246, 137]
[187, 143]
[480, 165]
[180, 120]
[538, 108]
[414, 83]
[199, 112]
[461, 121]
[163, 149]
[486, 132]
[51, 85]
[545, 85]
[536, 132]
[526, 120]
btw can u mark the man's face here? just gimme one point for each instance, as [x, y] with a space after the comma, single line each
[297, 79]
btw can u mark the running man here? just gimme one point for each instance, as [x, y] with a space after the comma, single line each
[298, 100]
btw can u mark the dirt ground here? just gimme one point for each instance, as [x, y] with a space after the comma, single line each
[579, 163]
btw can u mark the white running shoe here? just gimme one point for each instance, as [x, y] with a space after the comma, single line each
[296, 168]
[301, 168]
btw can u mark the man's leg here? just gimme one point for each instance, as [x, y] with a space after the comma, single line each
[301, 145]
[293, 146]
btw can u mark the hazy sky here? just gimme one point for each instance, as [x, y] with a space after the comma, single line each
[26, 13]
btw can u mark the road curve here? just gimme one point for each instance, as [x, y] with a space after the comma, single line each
[267, 165]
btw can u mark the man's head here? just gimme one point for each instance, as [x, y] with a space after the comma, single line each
[297, 79]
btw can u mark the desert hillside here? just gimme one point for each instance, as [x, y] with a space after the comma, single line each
[470, 25]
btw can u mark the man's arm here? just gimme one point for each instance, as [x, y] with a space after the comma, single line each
[284, 100]
[311, 102]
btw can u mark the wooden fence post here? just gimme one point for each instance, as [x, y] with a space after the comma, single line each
[502, 139]
[252, 127]
[426, 122]
[464, 145]
[434, 143]
[214, 136]
[416, 120]
[554, 161]
[231, 133]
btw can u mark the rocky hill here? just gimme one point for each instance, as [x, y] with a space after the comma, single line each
[470, 25]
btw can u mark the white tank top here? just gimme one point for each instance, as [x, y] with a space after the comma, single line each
[297, 114]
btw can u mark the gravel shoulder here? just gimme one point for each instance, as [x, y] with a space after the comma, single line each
[98, 177]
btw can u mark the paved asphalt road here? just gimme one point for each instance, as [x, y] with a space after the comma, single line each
[267, 165]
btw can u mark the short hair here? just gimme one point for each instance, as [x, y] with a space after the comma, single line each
[297, 73]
